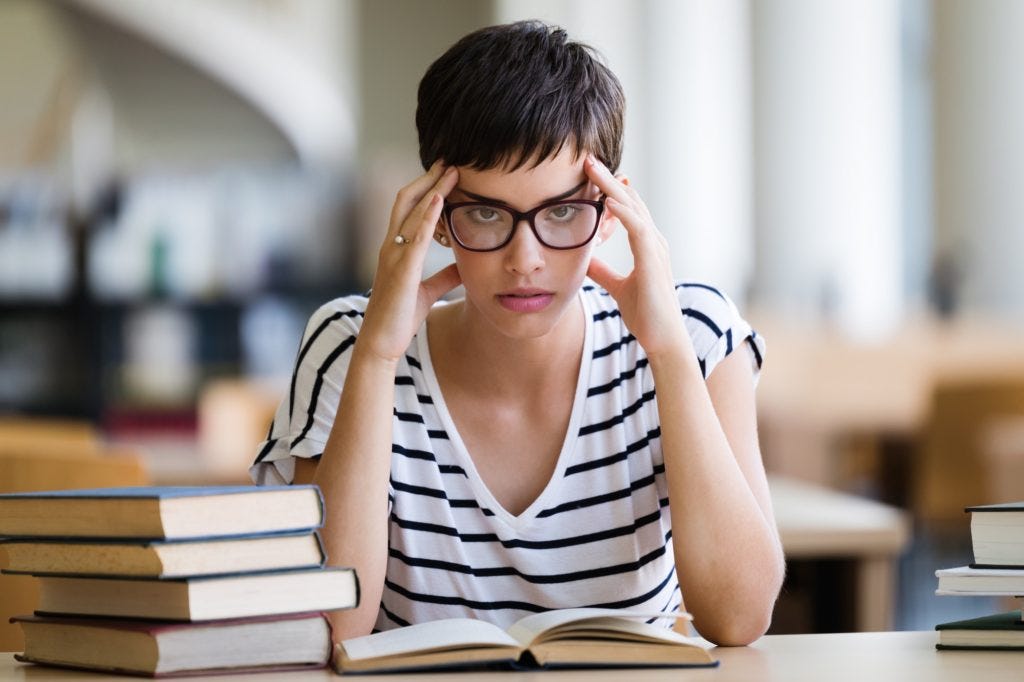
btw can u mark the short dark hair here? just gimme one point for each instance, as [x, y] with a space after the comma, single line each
[506, 94]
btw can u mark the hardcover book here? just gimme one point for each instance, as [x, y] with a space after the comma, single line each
[163, 558]
[997, 534]
[161, 649]
[566, 638]
[965, 580]
[998, 631]
[201, 599]
[161, 512]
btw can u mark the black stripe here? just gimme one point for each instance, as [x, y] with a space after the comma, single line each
[459, 601]
[318, 384]
[696, 285]
[393, 617]
[606, 314]
[438, 434]
[404, 381]
[728, 341]
[522, 606]
[611, 348]
[606, 497]
[266, 449]
[424, 399]
[623, 376]
[757, 354]
[698, 315]
[703, 367]
[452, 469]
[305, 349]
[618, 456]
[601, 426]
[440, 495]
[533, 579]
[408, 416]
[412, 453]
[448, 531]
[413, 362]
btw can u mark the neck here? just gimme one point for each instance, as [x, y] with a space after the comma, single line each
[519, 367]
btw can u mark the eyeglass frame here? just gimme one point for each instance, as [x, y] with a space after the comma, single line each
[518, 217]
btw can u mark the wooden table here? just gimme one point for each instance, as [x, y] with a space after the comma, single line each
[876, 656]
[818, 523]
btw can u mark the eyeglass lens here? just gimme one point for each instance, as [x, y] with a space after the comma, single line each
[562, 225]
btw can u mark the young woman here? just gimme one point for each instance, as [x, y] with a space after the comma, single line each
[542, 442]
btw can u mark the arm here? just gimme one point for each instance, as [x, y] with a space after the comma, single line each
[354, 468]
[728, 555]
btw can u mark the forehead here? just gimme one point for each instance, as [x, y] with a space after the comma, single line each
[527, 185]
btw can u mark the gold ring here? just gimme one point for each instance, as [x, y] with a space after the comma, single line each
[400, 240]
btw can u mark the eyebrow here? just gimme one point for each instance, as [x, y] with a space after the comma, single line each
[492, 200]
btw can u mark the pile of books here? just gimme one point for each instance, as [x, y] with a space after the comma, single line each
[997, 538]
[181, 580]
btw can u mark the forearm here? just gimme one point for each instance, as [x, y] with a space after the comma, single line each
[728, 556]
[353, 475]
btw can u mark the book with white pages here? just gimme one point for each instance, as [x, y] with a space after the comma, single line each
[966, 580]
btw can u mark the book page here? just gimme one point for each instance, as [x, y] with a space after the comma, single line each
[528, 629]
[422, 637]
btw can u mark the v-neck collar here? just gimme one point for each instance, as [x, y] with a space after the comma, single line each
[482, 492]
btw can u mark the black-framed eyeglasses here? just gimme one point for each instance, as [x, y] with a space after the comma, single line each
[563, 224]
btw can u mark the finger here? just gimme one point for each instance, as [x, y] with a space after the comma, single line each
[410, 195]
[604, 274]
[420, 225]
[605, 181]
[441, 282]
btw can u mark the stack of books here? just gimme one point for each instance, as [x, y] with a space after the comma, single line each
[179, 580]
[997, 538]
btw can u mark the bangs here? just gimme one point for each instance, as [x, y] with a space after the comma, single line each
[514, 95]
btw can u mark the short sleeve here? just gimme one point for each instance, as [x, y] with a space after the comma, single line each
[305, 416]
[716, 327]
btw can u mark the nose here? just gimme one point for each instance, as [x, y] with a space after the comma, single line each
[524, 254]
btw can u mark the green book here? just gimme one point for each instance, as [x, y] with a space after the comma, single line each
[1001, 631]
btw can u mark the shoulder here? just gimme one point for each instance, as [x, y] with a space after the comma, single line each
[716, 326]
[342, 315]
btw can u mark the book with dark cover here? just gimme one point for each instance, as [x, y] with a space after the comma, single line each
[997, 535]
[1000, 631]
[163, 559]
[161, 513]
[286, 642]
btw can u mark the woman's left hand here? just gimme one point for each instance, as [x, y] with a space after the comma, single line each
[646, 296]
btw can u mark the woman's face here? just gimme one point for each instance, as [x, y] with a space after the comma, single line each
[524, 288]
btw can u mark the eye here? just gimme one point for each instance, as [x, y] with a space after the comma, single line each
[563, 213]
[485, 214]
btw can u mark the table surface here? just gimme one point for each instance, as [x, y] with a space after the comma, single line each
[874, 656]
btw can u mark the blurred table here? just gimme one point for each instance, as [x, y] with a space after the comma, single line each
[822, 394]
[818, 523]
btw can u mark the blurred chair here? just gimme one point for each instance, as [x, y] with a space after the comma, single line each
[42, 466]
[27, 435]
[957, 464]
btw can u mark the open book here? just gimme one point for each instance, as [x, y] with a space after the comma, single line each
[578, 638]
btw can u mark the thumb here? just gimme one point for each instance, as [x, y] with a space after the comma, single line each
[603, 274]
[441, 282]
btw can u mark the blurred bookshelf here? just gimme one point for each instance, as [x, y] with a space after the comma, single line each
[168, 282]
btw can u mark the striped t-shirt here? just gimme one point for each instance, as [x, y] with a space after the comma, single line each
[600, 532]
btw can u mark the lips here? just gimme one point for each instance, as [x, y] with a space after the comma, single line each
[525, 300]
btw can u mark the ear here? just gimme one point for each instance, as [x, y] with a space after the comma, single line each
[606, 228]
[441, 235]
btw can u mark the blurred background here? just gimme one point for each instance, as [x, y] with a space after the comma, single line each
[183, 183]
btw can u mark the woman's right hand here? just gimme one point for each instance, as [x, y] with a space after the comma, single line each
[401, 298]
